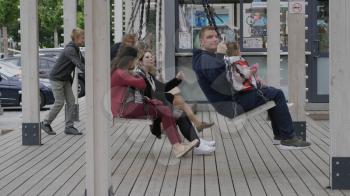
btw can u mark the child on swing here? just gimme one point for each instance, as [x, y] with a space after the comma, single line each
[242, 76]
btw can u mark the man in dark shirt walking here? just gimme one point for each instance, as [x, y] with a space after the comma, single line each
[61, 82]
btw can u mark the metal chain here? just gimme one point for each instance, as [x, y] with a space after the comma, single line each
[148, 11]
[207, 12]
[141, 18]
[133, 16]
[210, 16]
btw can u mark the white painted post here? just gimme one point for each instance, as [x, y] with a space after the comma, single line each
[97, 34]
[296, 65]
[339, 101]
[168, 44]
[162, 39]
[69, 18]
[296, 62]
[118, 20]
[30, 77]
[273, 43]
[69, 23]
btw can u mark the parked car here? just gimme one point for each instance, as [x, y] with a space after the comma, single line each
[10, 65]
[53, 52]
[46, 63]
[11, 90]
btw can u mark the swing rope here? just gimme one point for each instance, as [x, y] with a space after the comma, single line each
[209, 11]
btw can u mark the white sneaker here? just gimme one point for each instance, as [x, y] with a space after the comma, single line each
[208, 143]
[203, 149]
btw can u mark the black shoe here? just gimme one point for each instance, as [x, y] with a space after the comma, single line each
[47, 128]
[156, 132]
[72, 131]
[294, 143]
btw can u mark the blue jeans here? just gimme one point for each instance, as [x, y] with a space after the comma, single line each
[281, 120]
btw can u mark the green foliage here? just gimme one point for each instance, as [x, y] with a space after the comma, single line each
[9, 12]
[50, 19]
[50, 12]
[80, 14]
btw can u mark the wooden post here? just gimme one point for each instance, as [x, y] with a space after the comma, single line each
[158, 39]
[339, 93]
[31, 134]
[97, 34]
[296, 64]
[69, 23]
[69, 18]
[273, 43]
[168, 39]
[162, 40]
[118, 20]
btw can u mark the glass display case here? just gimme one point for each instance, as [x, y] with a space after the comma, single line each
[254, 25]
[192, 18]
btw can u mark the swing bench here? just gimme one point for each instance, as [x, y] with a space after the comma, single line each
[241, 118]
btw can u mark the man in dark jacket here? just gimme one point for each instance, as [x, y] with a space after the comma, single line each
[208, 63]
[61, 83]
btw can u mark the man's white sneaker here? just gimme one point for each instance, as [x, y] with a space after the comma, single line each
[208, 143]
[203, 149]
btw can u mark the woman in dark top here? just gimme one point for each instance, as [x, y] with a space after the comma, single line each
[159, 90]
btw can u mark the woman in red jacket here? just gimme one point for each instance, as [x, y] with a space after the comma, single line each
[124, 82]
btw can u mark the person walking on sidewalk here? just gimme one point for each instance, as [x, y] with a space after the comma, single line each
[61, 82]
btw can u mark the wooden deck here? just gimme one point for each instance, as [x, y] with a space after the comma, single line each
[245, 163]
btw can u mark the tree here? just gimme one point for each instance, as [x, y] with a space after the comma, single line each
[80, 14]
[9, 13]
[50, 21]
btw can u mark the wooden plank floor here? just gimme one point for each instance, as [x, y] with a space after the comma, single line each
[245, 162]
